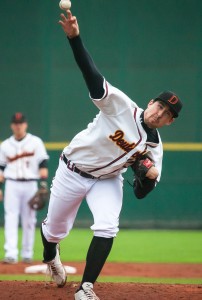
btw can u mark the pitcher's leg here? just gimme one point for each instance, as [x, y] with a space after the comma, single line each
[49, 248]
[59, 221]
[105, 202]
[97, 254]
[67, 192]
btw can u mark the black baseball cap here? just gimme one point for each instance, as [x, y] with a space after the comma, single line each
[172, 100]
[18, 118]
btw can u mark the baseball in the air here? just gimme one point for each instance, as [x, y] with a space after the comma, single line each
[65, 4]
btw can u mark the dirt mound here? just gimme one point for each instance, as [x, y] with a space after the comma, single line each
[26, 290]
[14, 290]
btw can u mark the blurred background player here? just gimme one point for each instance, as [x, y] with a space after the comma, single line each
[23, 165]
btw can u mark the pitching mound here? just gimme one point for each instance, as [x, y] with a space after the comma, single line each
[26, 290]
[13, 290]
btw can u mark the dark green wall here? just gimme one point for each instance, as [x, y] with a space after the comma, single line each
[176, 202]
[142, 47]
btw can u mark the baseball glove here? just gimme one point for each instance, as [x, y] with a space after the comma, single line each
[140, 168]
[38, 201]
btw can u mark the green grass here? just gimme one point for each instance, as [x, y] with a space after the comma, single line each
[106, 279]
[158, 246]
[154, 246]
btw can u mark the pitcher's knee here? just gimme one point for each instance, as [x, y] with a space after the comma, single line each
[53, 236]
[106, 233]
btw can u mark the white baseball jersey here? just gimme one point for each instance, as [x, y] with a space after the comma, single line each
[118, 131]
[22, 158]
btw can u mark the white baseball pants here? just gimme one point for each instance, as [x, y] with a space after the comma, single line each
[104, 198]
[16, 197]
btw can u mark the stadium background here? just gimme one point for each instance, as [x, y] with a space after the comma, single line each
[140, 47]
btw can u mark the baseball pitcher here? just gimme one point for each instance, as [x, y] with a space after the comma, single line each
[121, 135]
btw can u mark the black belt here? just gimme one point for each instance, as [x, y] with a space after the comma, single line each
[21, 179]
[75, 169]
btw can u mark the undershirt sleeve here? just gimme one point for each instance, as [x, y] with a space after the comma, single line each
[2, 168]
[43, 164]
[93, 78]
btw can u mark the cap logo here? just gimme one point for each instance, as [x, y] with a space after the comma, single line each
[18, 116]
[173, 100]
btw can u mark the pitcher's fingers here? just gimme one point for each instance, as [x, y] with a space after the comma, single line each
[61, 23]
[69, 14]
[73, 19]
[64, 19]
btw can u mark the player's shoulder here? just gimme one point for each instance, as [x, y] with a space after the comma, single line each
[33, 137]
[120, 94]
[34, 140]
[7, 141]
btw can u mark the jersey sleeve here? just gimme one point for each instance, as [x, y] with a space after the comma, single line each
[114, 101]
[41, 153]
[107, 98]
[3, 159]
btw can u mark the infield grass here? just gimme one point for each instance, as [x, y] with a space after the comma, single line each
[144, 246]
[44, 278]
[154, 246]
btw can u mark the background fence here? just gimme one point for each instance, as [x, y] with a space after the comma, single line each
[142, 47]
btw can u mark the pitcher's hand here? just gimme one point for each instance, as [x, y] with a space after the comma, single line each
[69, 25]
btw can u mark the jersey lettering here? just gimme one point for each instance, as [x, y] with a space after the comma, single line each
[118, 137]
[18, 156]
